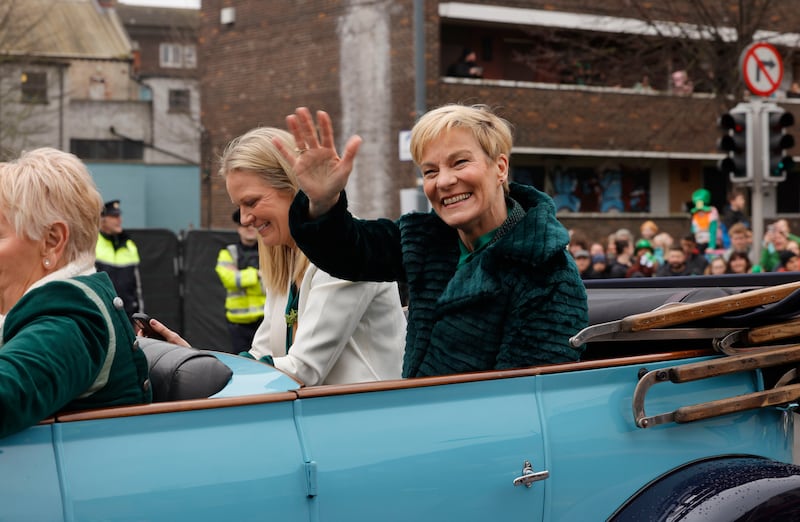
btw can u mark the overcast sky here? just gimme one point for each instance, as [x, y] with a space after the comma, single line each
[164, 3]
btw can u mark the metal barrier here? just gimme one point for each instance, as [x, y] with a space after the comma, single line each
[180, 287]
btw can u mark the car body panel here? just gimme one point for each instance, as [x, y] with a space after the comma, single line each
[433, 448]
[29, 476]
[217, 464]
[252, 378]
[597, 460]
[407, 454]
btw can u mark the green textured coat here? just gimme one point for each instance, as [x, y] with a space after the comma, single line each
[515, 304]
[65, 346]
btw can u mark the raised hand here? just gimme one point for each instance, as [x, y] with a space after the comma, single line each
[321, 173]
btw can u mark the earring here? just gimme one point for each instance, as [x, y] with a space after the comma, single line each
[46, 263]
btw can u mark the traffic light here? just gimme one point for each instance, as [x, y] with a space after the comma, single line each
[777, 161]
[736, 141]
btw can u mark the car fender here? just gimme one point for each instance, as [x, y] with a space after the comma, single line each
[722, 488]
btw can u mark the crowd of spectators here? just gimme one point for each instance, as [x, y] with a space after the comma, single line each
[655, 253]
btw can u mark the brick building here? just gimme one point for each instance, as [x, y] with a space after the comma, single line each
[567, 74]
[164, 45]
[75, 76]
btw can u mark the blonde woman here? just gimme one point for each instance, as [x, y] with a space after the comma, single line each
[66, 341]
[318, 328]
[491, 283]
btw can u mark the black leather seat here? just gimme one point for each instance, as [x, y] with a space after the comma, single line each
[180, 373]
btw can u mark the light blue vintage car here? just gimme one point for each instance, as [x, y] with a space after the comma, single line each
[655, 424]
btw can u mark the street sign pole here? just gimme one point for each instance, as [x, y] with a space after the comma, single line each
[757, 188]
[761, 67]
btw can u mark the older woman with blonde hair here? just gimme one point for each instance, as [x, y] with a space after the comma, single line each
[66, 340]
[318, 328]
[491, 283]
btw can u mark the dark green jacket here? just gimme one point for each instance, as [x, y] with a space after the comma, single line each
[515, 304]
[66, 346]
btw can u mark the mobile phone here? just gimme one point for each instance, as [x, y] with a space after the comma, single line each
[142, 322]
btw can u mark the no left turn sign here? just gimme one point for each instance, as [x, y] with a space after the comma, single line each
[762, 68]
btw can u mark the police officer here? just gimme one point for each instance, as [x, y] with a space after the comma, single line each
[116, 254]
[237, 268]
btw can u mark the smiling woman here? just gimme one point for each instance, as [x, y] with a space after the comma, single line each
[65, 340]
[491, 285]
[317, 328]
[462, 186]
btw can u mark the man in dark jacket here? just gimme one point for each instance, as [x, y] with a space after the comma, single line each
[466, 66]
[674, 264]
[622, 262]
[118, 256]
[695, 261]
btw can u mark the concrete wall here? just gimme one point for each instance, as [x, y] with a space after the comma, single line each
[91, 119]
[175, 132]
[152, 196]
[352, 58]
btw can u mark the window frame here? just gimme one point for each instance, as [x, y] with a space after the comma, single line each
[173, 55]
[33, 87]
[179, 101]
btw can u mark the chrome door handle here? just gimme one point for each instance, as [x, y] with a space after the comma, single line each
[529, 476]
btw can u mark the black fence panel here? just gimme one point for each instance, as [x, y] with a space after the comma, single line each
[159, 250]
[180, 286]
[204, 324]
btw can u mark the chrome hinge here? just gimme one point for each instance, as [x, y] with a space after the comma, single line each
[311, 478]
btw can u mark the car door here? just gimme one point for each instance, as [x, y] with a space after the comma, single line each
[30, 479]
[437, 452]
[231, 463]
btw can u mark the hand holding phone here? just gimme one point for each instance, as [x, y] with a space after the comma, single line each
[141, 322]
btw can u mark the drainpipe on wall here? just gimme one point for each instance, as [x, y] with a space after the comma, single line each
[420, 93]
[62, 145]
[419, 58]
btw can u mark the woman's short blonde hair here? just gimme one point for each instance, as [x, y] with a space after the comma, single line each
[493, 133]
[44, 186]
[254, 152]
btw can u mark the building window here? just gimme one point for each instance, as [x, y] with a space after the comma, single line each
[619, 188]
[178, 56]
[189, 57]
[107, 149]
[530, 175]
[97, 87]
[171, 55]
[179, 100]
[34, 87]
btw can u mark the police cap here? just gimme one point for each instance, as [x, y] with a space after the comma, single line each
[111, 208]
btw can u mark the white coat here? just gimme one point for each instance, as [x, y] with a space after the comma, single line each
[346, 331]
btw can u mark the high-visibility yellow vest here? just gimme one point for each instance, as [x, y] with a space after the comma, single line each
[119, 257]
[244, 303]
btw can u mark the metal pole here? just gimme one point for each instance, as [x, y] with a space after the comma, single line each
[755, 158]
[420, 92]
